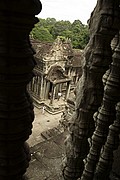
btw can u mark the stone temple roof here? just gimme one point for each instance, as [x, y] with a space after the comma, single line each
[45, 48]
[41, 48]
[76, 59]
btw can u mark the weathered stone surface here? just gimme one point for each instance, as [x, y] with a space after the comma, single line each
[57, 71]
[104, 25]
[44, 167]
[17, 18]
[47, 159]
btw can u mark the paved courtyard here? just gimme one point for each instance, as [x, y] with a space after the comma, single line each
[43, 122]
[48, 153]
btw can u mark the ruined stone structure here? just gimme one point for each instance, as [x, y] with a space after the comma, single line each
[57, 70]
[95, 127]
[74, 70]
[17, 19]
[73, 66]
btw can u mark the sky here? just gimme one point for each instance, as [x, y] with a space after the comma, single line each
[67, 9]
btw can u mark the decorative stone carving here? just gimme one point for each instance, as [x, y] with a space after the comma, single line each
[17, 19]
[110, 99]
[104, 166]
[106, 113]
[98, 56]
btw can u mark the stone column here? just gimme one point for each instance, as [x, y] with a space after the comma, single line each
[44, 89]
[69, 71]
[67, 90]
[103, 26]
[37, 86]
[32, 85]
[47, 89]
[17, 19]
[57, 90]
[53, 94]
[76, 79]
[100, 156]
[41, 87]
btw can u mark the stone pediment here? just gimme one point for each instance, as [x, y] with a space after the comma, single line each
[56, 74]
[52, 51]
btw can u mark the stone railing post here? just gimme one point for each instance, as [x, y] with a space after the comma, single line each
[17, 18]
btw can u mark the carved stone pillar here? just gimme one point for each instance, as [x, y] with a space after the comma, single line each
[106, 117]
[53, 94]
[104, 165]
[103, 24]
[17, 19]
[37, 86]
[47, 89]
[41, 86]
[67, 90]
[44, 89]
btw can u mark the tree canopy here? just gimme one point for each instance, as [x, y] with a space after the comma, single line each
[48, 30]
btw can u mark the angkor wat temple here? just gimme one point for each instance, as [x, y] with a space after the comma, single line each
[95, 124]
[58, 69]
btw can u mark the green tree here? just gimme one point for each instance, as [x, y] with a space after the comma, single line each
[67, 34]
[47, 23]
[80, 34]
[60, 27]
[48, 30]
[77, 26]
[42, 34]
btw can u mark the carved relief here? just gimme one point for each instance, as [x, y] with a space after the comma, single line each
[98, 56]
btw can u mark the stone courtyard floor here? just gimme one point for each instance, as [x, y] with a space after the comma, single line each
[47, 149]
[42, 123]
[46, 146]
[47, 159]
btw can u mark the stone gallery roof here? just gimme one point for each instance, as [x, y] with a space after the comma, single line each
[41, 48]
[44, 49]
[76, 59]
[60, 50]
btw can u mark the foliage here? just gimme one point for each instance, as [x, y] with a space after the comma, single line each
[41, 33]
[48, 30]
